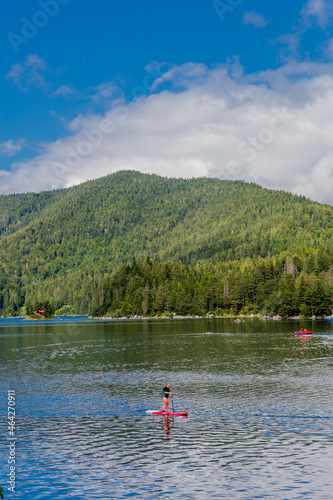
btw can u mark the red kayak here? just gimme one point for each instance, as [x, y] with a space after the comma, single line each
[168, 413]
[303, 333]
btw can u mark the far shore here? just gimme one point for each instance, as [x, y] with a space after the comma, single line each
[44, 318]
[238, 318]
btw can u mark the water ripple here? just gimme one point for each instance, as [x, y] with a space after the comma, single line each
[259, 424]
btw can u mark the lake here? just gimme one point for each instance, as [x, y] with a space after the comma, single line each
[260, 421]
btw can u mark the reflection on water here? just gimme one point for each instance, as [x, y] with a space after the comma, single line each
[259, 401]
[167, 427]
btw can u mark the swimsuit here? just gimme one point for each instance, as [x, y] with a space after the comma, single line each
[166, 389]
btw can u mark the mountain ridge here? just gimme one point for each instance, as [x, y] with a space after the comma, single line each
[62, 243]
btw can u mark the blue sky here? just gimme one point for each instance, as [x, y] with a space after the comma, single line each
[232, 89]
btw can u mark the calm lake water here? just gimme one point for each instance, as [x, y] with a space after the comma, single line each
[260, 421]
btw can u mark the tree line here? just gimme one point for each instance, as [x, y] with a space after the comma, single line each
[285, 286]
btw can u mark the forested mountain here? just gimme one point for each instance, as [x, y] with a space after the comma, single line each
[62, 245]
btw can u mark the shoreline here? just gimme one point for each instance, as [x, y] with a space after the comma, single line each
[238, 318]
[43, 318]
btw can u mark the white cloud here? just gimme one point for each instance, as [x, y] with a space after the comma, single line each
[105, 91]
[318, 11]
[29, 74]
[274, 128]
[314, 13]
[65, 91]
[254, 19]
[10, 147]
[291, 43]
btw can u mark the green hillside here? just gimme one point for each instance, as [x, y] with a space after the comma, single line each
[60, 245]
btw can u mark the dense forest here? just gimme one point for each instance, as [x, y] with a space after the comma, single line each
[67, 246]
[276, 286]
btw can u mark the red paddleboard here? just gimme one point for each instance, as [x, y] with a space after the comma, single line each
[170, 413]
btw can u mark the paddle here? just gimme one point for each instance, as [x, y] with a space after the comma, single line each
[173, 408]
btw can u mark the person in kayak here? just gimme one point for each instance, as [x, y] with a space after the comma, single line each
[166, 394]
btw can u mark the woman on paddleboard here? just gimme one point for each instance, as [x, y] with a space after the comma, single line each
[166, 394]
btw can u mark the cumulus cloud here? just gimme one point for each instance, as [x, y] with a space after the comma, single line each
[273, 128]
[10, 147]
[29, 74]
[318, 11]
[254, 19]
